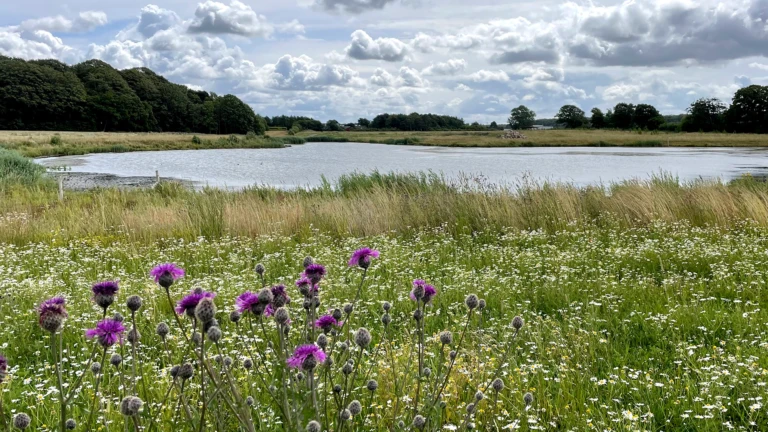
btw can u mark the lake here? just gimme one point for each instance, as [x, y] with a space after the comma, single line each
[303, 165]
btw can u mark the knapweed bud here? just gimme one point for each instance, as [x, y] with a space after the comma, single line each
[363, 338]
[314, 426]
[337, 314]
[355, 407]
[247, 363]
[426, 372]
[479, 396]
[497, 385]
[165, 280]
[446, 338]
[372, 385]
[453, 355]
[322, 341]
[234, 316]
[348, 308]
[134, 336]
[51, 322]
[115, 360]
[265, 296]
[197, 339]
[21, 421]
[249, 401]
[528, 399]
[517, 323]
[130, 406]
[343, 346]
[346, 369]
[386, 319]
[470, 408]
[337, 388]
[228, 361]
[70, 424]
[299, 377]
[401, 424]
[308, 261]
[104, 300]
[309, 363]
[471, 301]
[418, 291]
[419, 422]
[212, 323]
[282, 316]
[470, 426]
[418, 315]
[175, 371]
[442, 404]
[386, 306]
[481, 304]
[186, 371]
[345, 415]
[214, 334]
[162, 330]
[118, 317]
[260, 269]
[198, 290]
[134, 303]
[95, 367]
[205, 310]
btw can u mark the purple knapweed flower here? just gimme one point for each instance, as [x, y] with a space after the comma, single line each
[429, 291]
[362, 257]
[105, 288]
[52, 313]
[246, 301]
[279, 296]
[108, 332]
[166, 274]
[315, 273]
[326, 322]
[189, 302]
[306, 357]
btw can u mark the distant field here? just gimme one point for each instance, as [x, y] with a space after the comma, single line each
[47, 143]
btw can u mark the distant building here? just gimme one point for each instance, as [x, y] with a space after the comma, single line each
[538, 127]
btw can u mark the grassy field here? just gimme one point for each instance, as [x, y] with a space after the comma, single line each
[40, 143]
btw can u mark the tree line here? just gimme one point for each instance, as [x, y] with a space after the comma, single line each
[747, 113]
[94, 96]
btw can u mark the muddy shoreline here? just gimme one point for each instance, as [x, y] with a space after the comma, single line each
[77, 181]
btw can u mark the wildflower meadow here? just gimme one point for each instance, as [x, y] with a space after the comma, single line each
[592, 327]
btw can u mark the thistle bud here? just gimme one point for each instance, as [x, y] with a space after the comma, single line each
[453, 355]
[214, 334]
[260, 269]
[309, 363]
[446, 338]
[470, 408]
[130, 406]
[418, 291]
[426, 372]
[471, 301]
[104, 300]
[282, 316]
[162, 330]
[205, 310]
[386, 306]
[517, 323]
[308, 261]
[134, 336]
[348, 308]
[118, 317]
[355, 407]
[337, 314]
[362, 338]
[528, 399]
[345, 415]
[51, 322]
[372, 385]
[95, 368]
[299, 377]
[346, 369]
[418, 315]
[314, 426]
[386, 319]
[134, 303]
[186, 371]
[21, 421]
[175, 371]
[265, 296]
[165, 280]
[322, 341]
[481, 304]
[70, 424]
[497, 385]
[419, 422]
[249, 401]
[115, 360]
[247, 363]
[234, 316]
[228, 361]
[479, 396]
[337, 388]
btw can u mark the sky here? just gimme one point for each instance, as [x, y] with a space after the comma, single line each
[475, 59]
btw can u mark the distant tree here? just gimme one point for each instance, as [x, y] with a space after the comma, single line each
[494, 125]
[333, 126]
[521, 117]
[647, 117]
[364, 122]
[748, 112]
[598, 119]
[233, 116]
[623, 116]
[705, 114]
[572, 116]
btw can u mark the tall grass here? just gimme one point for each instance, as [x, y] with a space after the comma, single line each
[376, 203]
[15, 168]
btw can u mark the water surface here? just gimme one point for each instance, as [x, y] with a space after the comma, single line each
[303, 165]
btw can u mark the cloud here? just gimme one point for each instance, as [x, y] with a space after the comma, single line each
[487, 76]
[237, 18]
[382, 78]
[411, 78]
[302, 73]
[291, 27]
[152, 19]
[760, 66]
[37, 44]
[85, 21]
[450, 67]
[364, 47]
[352, 6]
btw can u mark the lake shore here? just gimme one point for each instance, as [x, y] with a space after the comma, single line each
[77, 181]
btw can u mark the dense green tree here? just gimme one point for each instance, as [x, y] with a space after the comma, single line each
[705, 114]
[598, 119]
[571, 116]
[623, 116]
[170, 102]
[748, 112]
[494, 125]
[521, 117]
[647, 117]
[364, 122]
[416, 122]
[233, 116]
[333, 126]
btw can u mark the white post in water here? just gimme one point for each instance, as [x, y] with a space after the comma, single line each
[61, 189]
[157, 176]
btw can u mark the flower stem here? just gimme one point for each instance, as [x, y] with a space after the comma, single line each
[202, 377]
[96, 391]
[57, 361]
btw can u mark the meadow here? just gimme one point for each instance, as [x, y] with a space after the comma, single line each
[639, 305]
[44, 143]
